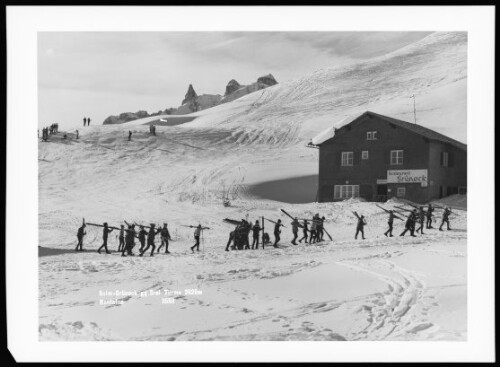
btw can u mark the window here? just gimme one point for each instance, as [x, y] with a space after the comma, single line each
[347, 158]
[396, 157]
[401, 192]
[371, 135]
[444, 159]
[345, 191]
[364, 154]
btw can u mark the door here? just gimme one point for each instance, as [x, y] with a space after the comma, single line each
[382, 193]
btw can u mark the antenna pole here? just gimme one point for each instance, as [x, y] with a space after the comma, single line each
[414, 109]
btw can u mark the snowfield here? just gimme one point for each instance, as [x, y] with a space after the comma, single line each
[399, 288]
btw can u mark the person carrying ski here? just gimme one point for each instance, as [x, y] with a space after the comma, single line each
[360, 227]
[321, 231]
[277, 232]
[429, 215]
[151, 239]
[105, 233]
[232, 235]
[314, 225]
[390, 222]
[256, 231]
[247, 227]
[129, 241]
[295, 230]
[165, 237]
[121, 238]
[81, 232]
[421, 219]
[197, 233]
[142, 237]
[410, 223]
[305, 230]
[445, 219]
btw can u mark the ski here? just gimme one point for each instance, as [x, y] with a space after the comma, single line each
[100, 225]
[286, 213]
[395, 216]
[406, 210]
[231, 221]
[272, 221]
[182, 225]
[328, 234]
[138, 225]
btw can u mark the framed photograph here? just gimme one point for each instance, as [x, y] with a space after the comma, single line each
[243, 184]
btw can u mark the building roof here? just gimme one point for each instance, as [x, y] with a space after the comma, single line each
[418, 129]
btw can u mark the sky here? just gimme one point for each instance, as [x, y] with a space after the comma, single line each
[98, 74]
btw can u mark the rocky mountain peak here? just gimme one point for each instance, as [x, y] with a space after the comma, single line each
[190, 95]
[267, 79]
[232, 86]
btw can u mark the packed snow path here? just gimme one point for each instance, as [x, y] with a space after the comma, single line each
[377, 289]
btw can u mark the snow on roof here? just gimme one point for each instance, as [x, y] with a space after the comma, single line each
[330, 132]
[324, 136]
[419, 129]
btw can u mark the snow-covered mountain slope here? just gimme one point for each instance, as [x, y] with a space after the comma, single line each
[433, 69]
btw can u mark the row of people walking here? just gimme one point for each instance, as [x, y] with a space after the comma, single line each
[239, 239]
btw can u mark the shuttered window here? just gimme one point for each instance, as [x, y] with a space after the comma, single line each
[444, 159]
[447, 159]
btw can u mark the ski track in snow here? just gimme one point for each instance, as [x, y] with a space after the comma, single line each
[377, 289]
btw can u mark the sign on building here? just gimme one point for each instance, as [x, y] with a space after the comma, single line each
[406, 176]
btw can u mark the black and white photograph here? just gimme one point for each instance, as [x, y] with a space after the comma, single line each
[198, 182]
